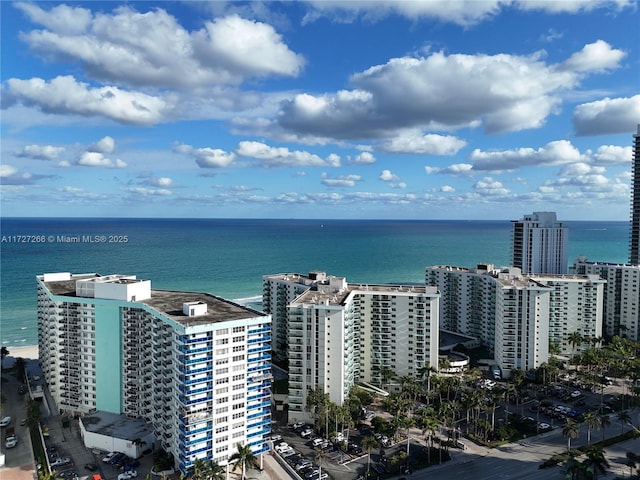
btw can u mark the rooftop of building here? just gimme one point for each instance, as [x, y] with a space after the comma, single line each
[167, 302]
[448, 340]
[67, 288]
[117, 426]
[335, 298]
[219, 309]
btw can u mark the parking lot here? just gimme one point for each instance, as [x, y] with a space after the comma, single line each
[334, 462]
[62, 440]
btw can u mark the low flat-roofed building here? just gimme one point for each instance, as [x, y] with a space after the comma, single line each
[112, 432]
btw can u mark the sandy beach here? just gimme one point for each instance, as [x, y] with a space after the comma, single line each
[30, 352]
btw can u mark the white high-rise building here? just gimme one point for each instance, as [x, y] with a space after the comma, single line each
[195, 366]
[621, 311]
[539, 244]
[340, 334]
[277, 292]
[516, 316]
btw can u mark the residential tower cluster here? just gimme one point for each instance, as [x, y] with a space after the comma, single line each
[197, 368]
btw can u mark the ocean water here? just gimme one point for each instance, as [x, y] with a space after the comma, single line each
[228, 257]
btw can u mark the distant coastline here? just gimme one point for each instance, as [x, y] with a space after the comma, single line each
[30, 352]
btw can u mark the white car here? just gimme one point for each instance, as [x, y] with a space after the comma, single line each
[576, 393]
[11, 441]
[288, 453]
[128, 475]
[5, 421]
[109, 456]
[61, 462]
[544, 426]
[282, 447]
[317, 442]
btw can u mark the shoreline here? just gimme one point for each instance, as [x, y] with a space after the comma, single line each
[30, 352]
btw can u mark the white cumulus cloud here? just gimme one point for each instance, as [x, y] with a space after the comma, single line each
[41, 152]
[283, 157]
[65, 95]
[607, 116]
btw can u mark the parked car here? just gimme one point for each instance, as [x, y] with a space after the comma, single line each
[319, 476]
[128, 475]
[5, 421]
[11, 441]
[281, 447]
[61, 462]
[288, 453]
[275, 438]
[23, 422]
[109, 457]
[306, 432]
[303, 464]
[544, 426]
[355, 449]
[117, 458]
[132, 465]
[311, 472]
[316, 442]
[92, 467]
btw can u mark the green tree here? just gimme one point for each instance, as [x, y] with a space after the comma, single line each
[425, 373]
[244, 456]
[21, 368]
[605, 421]
[4, 352]
[575, 339]
[48, 475]
[574, 468]
[320, 455]
[570, 430]
[386, 374]
[633, 460]
[205, 470]
[595, 462]
[591, 420]
[34, 414]
[368, 443]
[623, 417]
[318, 404]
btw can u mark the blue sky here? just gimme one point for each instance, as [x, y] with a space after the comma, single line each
[373, 109]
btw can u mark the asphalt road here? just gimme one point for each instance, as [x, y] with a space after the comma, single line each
[15, 406]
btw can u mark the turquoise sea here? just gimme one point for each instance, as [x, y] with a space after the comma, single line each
[228, 257]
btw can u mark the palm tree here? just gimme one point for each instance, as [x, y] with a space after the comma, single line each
[368, 443]
[321, 454]
[21, 368]
[426, 372]
[33, 414]
[596, 461]
[201, 470]
[633, 459]
[605, 421]
[217, 472]
[574, 469]
[575, 339]
[3, 352]
[623, 417]
[406, 423]
[591, 420]
[570, 430]
[318, 403]
[48, 475]
[386, 374]
[244, 457]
